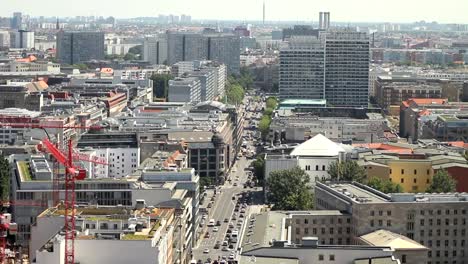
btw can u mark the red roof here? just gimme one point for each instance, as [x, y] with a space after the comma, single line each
[428, 101]
[387, 147]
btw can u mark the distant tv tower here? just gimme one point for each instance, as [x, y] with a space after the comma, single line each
[263, 12]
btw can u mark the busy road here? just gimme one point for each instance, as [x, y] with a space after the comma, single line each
[225, 223]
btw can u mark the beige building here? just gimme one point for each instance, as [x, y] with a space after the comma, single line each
[437, 221]
[407, 250]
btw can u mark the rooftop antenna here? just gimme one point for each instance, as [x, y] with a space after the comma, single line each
[264, 12]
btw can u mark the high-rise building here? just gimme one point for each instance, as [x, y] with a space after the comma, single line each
[225, 48]
[302, 69]
[23, 39]
[347, 56]
[187, 46]
[334, 66]
[155, 50]
[17, 20]
[4, 39]
[75, 47]
[324, 20]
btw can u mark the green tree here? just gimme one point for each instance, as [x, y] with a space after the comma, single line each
[290, 190]
[264, 125]
[259, 168]
[235, 94]
[130, 56]
[271, 103]
[384, 186]
[4, 179]
[442, 182]
[347, 171]
[161, 85]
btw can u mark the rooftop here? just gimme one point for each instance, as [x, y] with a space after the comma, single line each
[318, 146]
[267, 260]
[358, 193]
[384, 238]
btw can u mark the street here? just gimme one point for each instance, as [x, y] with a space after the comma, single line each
[227, 211]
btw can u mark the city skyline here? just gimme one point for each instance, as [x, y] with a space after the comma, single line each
[298, 10]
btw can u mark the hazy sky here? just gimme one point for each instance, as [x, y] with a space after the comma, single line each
[447, 11]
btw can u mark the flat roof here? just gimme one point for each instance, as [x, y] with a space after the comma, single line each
[385, 238]
[357, 193]
[267, 226]
[267, 260]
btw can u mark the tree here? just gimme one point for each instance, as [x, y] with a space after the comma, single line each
[264, 125]
[442, 182]
[4, 179]
[235, 94]
[347, 171]
[161, 85]
[290, 190]
[271, 103]
[259, 168]
[385, 186]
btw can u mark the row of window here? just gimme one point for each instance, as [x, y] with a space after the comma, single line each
[307, 167]
[446, 232]
[323, 230]
[322, 221]
[446, 243]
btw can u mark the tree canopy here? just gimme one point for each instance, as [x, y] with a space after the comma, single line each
[235, 94]
[347, 171]
[290, 190]
[161, 85]
[4, 179]
[384, 186]
[259, 168]
[442, 183]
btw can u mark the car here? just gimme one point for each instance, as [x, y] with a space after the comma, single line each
[218, 223]
[231, 257]
[229, 231]
[210, 205]
[233, 198]
[224, 257]
[231, 225]
[217, 245]
[225, 249]
[235, 184]
[234, 217]
[231, 246]
[234, 170]
[204, 216]
[211, 223]
[226, 220]
[241, 215]
[206, 251]
[225, 243]
[199, 261]
[215, 229]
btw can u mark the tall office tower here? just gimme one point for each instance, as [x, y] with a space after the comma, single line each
[24, 39]
[225, 48]
[75, 47]
[302, 69]
[347, 68]
[17, 21]
[264, 12]
[4, 39]
[195, 47]
[324, 20]
[222, 48]
[155, 49]
[335, 66]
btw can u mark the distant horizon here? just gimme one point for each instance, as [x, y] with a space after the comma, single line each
[356, 11]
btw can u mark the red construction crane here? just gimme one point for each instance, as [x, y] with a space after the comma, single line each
[72, 173]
